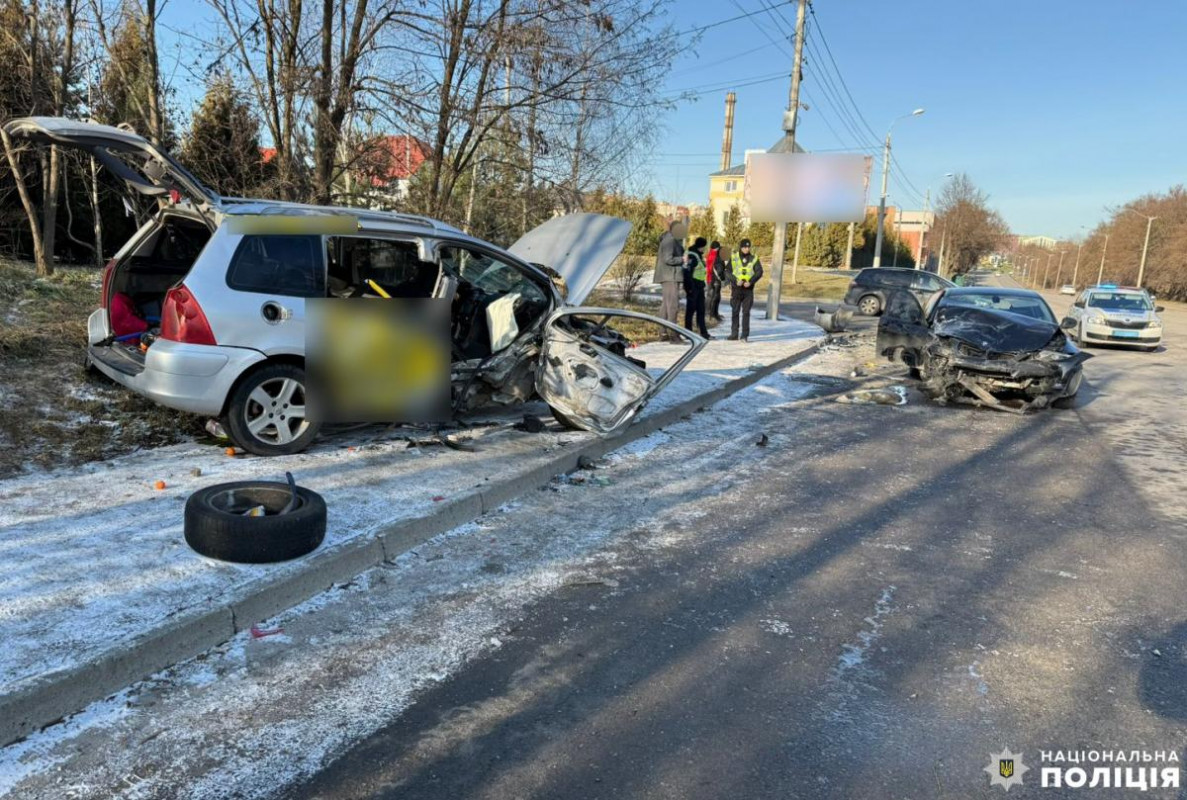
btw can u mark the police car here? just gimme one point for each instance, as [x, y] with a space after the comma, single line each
[1118, 315]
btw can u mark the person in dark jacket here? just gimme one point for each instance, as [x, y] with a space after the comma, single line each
[745, 272]
[695, 273]
[669, 271]
[714, 267]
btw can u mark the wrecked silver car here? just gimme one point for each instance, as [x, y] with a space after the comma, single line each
[205, 308]
[984, 346]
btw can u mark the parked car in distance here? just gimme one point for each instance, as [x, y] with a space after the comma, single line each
[203, 309]
[988, 346]
[871, 288]
[1067, 288]
[1115, 315]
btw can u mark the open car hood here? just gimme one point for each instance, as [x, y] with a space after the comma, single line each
[993, 331]
[133, 159]
[578, 247]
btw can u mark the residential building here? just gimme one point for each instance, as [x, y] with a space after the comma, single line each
[727, 186]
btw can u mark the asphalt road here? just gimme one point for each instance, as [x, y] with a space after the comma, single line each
[869, 606]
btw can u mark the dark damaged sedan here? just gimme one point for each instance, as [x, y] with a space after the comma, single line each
[984, 346]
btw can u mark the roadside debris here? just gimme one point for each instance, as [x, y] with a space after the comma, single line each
[158, 485]
[585, 462]
[832, 321]
[530, 424]
[762, 441]
[255, 522]
[215, 429]
[196, 472]
[890, 396]
[259, 633]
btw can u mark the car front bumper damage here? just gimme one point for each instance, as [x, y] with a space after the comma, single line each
[1011, 382]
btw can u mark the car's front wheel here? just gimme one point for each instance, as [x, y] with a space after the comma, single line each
[266, 414]
[869, 305]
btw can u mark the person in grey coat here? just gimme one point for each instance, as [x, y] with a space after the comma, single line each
[669, 270]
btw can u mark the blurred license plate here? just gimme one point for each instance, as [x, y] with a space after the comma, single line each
[1126, 334]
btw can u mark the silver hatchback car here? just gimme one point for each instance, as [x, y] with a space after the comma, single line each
[202, 314]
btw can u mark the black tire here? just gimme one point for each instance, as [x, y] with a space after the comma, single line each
[242, 408]
[216, 528]
[872, 308]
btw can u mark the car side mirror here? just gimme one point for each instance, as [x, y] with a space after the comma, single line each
[1068, 323]
[1078, 304]
[1159, 309]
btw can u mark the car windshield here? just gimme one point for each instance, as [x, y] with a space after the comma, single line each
[1023, 305]
[1119, 301]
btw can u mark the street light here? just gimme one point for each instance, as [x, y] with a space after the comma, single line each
[926, 208]
[1100, 276]
[1076, 269]
[885, 178]
[1145, 245]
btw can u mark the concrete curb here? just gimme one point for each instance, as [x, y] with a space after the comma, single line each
[48, 699]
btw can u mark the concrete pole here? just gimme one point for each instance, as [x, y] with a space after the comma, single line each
[795, 258]
[1100, 276]
[1059, 271]
[882, 202]
[1047, 269]
[922, 225]
[1076, 269]
[943, 242]
[1145, 248]
[779, 246]
[849, 247]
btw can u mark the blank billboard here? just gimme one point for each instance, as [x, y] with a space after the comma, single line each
[807, 187]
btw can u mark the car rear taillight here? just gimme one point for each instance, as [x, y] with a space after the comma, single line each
[108, 274]
[182, 319]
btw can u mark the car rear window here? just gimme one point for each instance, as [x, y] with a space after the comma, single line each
[284, 265]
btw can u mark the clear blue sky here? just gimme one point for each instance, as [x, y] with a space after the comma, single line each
[1056, 108]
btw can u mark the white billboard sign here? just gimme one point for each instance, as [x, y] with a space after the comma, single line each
[807, 187]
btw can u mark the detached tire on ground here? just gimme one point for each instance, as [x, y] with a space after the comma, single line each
[215, 525]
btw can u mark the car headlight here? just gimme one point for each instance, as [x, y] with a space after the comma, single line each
[1095, 319]
[1154, 323]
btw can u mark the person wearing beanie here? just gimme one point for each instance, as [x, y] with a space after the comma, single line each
[714, 267]
[695, 273]
[669, 273]
[745, 272]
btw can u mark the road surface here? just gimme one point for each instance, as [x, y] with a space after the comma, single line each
[867, 606]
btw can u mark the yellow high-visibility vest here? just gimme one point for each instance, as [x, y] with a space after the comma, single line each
[742, 272]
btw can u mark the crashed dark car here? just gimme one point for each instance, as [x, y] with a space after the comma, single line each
[984, 346]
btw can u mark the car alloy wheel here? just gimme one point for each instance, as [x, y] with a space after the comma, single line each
[267, 412]
[869, 305]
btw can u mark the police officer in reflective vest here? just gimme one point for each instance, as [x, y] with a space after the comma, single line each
[695, 273]
[745, 272]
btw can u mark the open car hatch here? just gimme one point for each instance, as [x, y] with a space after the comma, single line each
[585, 381]
[133, 159]
[578, 247]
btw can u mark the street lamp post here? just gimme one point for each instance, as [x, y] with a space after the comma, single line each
[1047, 269]
[1059, 271]
[1100, 276]
[1145, 248]
[1076, 269]
[885, 179]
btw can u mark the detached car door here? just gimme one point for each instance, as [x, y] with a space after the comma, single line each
[585, 375]
[902, 329]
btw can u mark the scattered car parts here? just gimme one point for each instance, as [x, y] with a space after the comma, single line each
[255, 522]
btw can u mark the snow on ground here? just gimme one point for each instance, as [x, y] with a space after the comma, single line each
[96, 555]
[257, 714]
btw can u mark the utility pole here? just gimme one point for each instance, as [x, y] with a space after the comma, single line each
[1047, 269]
[1059, 271]
[1145, 247]
[882, 202]
[849, 247]
[1100, 276]
[795, 258]
[922, 226]
[779, 246]
[943, 242]
[1076, 269]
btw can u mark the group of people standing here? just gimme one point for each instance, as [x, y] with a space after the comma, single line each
[703, 275]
